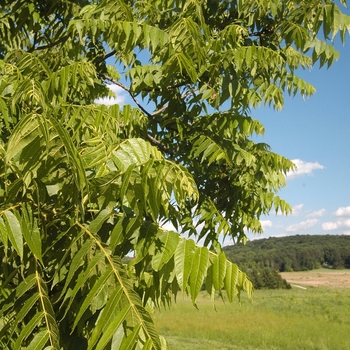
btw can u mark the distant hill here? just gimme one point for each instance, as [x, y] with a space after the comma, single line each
[292, 253]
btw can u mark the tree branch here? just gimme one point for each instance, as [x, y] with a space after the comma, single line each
[150, 116]
[183, 96]
[160, 145]
[48, 46]
[101, 59]
[264, 31]
[124, 87]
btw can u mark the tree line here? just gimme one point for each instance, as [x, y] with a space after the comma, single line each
[293, 253]
[263, 259]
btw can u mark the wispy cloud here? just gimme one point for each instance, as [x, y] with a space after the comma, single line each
[297, 209]
[317, 213]
[120, 96]
[304, 168]
[301, 226]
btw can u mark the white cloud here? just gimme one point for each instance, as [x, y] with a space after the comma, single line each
[343, 211]
[303, 168]
[345, 223]
[317, 213]
[266, 224]
[118, 99]
[297, 209]
[304, 225]
[341, 224]
[329, 226]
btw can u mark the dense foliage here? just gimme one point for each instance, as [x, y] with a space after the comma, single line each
[292, 253]
[83, 185]
[266, 278]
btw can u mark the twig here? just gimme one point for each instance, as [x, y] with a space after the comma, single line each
[160, 145]
[124, 87]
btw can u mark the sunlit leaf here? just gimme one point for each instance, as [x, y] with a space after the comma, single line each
[164, 249]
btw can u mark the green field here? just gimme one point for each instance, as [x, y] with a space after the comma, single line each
[312, 318]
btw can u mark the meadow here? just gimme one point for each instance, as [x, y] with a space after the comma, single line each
[317, 317]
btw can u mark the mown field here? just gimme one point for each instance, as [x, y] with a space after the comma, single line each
[319, 278]
[317, 317]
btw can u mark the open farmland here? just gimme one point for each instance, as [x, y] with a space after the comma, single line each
[319, 277]
[313, 318]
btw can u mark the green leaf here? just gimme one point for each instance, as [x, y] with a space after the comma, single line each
[27, 284]
[130, 341]
[111, 328]
[117, 234]
[137, 309]
[148, 232]
[28, 330]
[183, 261]
[39, 341]
[101, 283]
[49, 314]
[26, 308]
[110, 319]
[164, 249]
[198, 271]
[231, 279]
[73, 157]
[4, 235]
[219, 271]
[100, 219]
[83, 277]
[134, 152]
[76, 262]
[4, 112]
[31, 233]
[14, 232]
[126, 181]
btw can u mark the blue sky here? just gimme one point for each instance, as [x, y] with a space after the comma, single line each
[315, 133]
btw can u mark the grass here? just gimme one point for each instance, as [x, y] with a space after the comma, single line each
[315, 318]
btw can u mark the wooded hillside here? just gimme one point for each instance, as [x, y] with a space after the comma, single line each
[293, 253]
